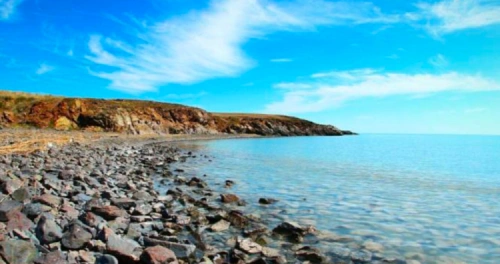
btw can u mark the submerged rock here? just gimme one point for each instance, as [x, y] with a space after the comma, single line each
[229, 198]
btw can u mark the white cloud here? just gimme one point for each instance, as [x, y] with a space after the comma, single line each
[8, 8]
[439, 61]
[281, 60]
[331, 89]
[43, 69]
[208, 44]
[454, 15]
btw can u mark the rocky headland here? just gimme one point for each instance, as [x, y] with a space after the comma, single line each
[145, 117]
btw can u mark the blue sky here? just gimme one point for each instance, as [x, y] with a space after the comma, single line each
[372, 67]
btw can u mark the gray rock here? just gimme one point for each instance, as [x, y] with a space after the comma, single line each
[143, 209]
[54, 257]
[180, 250]
[21, 194]
[248, 246]
[47, 230]
[18, 251]
[32, 210]
[8, 206]
[76, 237]
[124, 249]
[221, 225]
[124, 203]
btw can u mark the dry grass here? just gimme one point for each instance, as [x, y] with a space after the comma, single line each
[14, 94]
[29, 140]
[260, 116]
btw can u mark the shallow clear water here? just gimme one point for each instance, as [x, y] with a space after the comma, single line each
[431, 198]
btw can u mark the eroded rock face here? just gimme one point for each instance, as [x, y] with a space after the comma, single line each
[146, 117]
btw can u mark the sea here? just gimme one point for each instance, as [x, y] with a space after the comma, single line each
[429, 198]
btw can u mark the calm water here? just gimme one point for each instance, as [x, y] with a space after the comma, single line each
[430, 198]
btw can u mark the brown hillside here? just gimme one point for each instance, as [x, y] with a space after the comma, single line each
[143, 117]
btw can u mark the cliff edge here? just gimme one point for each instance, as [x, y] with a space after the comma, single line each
[144, 117]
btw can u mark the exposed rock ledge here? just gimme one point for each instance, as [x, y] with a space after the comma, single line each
[145, 117]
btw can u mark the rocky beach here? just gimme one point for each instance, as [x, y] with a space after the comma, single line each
[99, 202]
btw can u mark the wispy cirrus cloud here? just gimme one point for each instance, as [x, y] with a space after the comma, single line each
[449, 16]
[439, 61]
[8, 8]
[43, 69]
[330, 89]
[281, 60]
[208, 44]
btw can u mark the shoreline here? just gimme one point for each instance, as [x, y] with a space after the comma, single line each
[92, 203]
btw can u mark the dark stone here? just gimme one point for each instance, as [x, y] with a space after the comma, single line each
[267, 200]
[92, 219]
[47, 230]
[76, 237]
[106, 259]
[66, 174]
[124, 203]
[32, 210]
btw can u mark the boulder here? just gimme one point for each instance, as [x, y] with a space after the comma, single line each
[47, 230]
[106, 259]
[267, 201]
[21, 195]
[54, 257]
[221, 225]
[109, 212]
[229, 198]
[9, 185]
[158, 255]
[18, 220]
[18, 251]
[180, 250]
[124, 249]
[32, 210]
[8, 206]
[48, 199]
[248, 246]
[124, 203]
[76, 237]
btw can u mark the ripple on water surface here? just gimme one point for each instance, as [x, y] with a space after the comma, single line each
[427, 198]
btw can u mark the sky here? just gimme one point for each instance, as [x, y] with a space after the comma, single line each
[381, 66]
